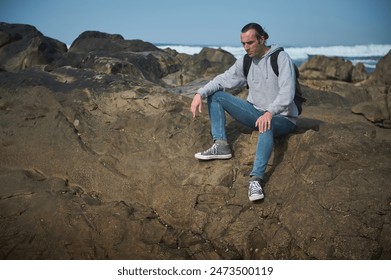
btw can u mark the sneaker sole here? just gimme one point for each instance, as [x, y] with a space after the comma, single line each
[202, 157]
[256, 197]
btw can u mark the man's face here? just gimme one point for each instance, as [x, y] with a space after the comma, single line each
[252, 46]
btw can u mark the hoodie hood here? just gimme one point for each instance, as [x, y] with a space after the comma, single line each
[272, 49]
[266, 58]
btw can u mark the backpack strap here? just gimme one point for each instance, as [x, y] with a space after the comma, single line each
[273, 61]
[246, 64]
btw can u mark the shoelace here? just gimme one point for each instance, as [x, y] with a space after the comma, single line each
[212, 150]
[255, 187]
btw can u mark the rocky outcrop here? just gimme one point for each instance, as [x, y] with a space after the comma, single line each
[100, 165]
[359, 73]
[23, 46]
[382, 74]
[93, 41]
[204, 65]
[319, 67]
[111, 54]
[209, 62]
[369, 97]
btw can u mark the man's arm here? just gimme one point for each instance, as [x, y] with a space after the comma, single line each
[231, 78]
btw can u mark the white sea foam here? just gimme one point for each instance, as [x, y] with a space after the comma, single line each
[371, 50]
[298, 52]
[182, 49]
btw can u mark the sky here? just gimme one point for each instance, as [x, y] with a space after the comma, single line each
[296, 23]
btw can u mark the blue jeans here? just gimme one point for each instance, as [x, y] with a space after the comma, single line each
[245, 113]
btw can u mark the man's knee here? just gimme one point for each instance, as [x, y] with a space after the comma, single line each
[217, 95]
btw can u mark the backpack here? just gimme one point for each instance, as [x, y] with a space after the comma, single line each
[299, 99]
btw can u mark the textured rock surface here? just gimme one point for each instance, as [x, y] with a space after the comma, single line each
[23, 46]
[101, 166]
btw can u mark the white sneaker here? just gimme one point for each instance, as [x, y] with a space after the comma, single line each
[255, 189]
[217, 151]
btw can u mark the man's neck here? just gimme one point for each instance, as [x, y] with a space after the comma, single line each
[263, 51]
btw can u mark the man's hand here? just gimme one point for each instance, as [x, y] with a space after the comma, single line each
[264, 122]
[196, 103]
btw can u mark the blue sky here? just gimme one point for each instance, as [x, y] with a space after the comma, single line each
[209, 22]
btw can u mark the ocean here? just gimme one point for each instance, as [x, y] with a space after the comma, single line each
[369, 54]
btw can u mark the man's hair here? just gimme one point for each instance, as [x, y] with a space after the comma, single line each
[260, 31]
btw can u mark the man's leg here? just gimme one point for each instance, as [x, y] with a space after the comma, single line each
[219, 103]
[241, 110]
[280, 126]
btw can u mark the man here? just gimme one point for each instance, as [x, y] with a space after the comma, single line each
[269, 107]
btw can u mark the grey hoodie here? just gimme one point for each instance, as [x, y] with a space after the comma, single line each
[267, 92]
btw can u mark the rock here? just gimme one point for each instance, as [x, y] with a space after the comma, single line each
[325, 68]
[370, 110]
[210, 62]
[95, 161]
[380, 95]
[94, 41]
[203, 66]
[359, 73]
[351, 93]
[23, 46]
[110, 65]
[377, 110]
[111, 54]
[382, 73]
[368, 97]
[122, 174]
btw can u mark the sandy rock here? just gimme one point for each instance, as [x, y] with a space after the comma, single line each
[368, 100]
[359, 73]
[325, 68]
[209, 62]
[370, 110]
[100, 165]
[382, 72]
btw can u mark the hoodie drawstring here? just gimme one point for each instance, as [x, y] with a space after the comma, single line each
[266, 64]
